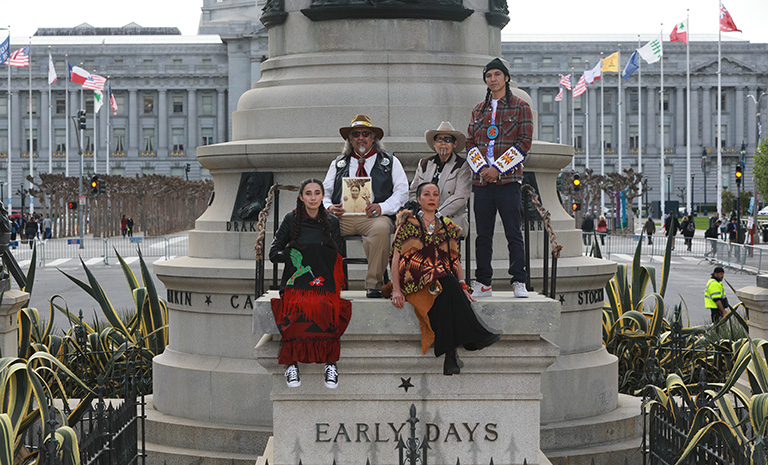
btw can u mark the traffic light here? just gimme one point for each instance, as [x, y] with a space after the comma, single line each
[94, 185]
[81, 119]
[576, 206]
[101, 186]
[72, 205]
[738, 175]
[576, 182]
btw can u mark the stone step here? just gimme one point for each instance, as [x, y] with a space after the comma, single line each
[620, 424]
[167, 455]
[176, 433]
[625, 452]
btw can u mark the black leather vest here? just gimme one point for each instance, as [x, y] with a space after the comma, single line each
[381, 177]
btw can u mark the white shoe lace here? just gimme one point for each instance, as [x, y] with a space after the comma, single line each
[292, 373]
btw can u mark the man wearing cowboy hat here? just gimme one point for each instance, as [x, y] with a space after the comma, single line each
[501, 125]
[363, 155]
[448, 170]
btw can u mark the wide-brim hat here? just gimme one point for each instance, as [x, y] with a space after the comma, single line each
[446, 128]
[361, 122]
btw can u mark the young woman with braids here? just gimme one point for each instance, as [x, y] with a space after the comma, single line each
[310, 314]
[427, 272]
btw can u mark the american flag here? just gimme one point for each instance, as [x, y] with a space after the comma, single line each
[94, 82]
[112, 101]
[581, 87]
[559, 95]
[19, 58]
[565, 81]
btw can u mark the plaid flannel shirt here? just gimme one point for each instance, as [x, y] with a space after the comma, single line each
[515, 121]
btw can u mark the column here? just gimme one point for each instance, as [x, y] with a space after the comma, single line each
[133, 124]
[680, 111]
[622, 111]
[221, 116]
[18, 141]
[192, 122]
[42, 135]
[594, 140]
[707, 128]
[651, 126]
[163, 141]
[74, 105]
[737, 118]
[695, 122]
[752, 121]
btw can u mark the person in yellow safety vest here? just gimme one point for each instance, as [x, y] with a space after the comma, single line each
[714, 295]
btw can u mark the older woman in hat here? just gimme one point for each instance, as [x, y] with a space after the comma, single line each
[448, 171]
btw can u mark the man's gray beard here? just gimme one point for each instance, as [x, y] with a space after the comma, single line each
[361, 150]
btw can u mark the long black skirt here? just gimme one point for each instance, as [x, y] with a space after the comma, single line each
[453, 320]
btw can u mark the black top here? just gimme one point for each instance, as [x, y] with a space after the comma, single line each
[311, 233]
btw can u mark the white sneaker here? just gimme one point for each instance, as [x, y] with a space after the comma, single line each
[331, 376]
[481, 290]
[520, 290]
[292, 376]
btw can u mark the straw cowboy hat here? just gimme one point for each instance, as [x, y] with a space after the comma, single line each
[446, 128]
[361, 122]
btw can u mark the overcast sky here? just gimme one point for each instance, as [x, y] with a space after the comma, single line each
[528, 17]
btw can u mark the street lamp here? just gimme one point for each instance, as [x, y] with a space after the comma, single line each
[704, 172]
[693, 191]
[669, 189]
[738, 203]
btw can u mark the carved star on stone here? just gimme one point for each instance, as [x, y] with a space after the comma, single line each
[208, 300]
[562, 299]
[405, 384]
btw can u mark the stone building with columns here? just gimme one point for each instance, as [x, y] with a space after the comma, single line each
[535, 63]
[176, 93]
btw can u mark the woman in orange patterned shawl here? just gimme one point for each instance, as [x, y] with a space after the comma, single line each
[426, 272]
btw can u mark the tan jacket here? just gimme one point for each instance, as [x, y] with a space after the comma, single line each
[455, 185]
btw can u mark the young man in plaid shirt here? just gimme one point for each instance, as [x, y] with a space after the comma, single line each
[498, 123]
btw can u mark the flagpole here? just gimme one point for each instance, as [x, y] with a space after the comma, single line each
[109, 109]
[602, 135]
[31, 152]
[640, 130]
[560, 118]
[66, 120]
[661, 126]
[586, 127]
[10, 172]
[50, 119]
[573, 122]
[95, 132]
[620, 106]
[689, 190]
[719, 121]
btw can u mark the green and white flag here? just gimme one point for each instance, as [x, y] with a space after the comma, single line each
[98, 100]
[652, 51]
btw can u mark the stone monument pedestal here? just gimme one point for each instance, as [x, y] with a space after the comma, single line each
[490, 411]
[13, 299]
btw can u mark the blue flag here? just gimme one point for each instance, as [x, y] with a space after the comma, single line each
[5, 49]
[631, 66]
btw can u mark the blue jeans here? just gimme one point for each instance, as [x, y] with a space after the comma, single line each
[505, 199]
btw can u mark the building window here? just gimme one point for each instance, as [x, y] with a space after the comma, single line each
[149, 105]
[575, 60]
[207, 61]
[118, 61]
[667, 137]
[34, 140]
[633, 102]
[61, 105]
[147, 62]
[578, 102]
[3, 141]
[607, 101]
[178, 104]
[517, 60]
[88, 65]
[546, 103]
[666, 102]
[88, 141]
[547, 133]
[578, 142]
[546, 60]
[177, 61]
[148, 170]
[34, 105]
[207, 105]
[148, 140]
[118, 137]
[120, 99]
[634, 139]
[88, 107]
[177, 136]
[60, 139]
[608, 135]
[723, 100]
[60, 64]
[207, 134]
[724, 132]
[3, 106]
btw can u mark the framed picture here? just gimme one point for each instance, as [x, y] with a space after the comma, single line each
[355, 195]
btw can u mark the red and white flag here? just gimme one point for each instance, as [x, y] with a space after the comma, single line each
[559, 95]
[581, 87]
[112, 101]
[78, 75]
[594, 74]
[680, 33]
[565, 81]
[19, 58]
[51, 71]
[726, 22]
[94, 82]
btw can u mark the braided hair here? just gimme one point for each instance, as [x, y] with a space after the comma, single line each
[322, 214]
[488, 98]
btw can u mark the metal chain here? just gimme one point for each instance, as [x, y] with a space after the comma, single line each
[264, 213]
[546, 217]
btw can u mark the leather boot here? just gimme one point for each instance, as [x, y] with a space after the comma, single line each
[451, 364]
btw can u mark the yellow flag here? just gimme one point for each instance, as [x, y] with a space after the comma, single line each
[611, 63]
